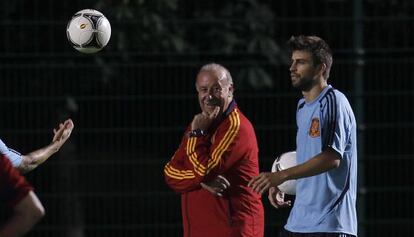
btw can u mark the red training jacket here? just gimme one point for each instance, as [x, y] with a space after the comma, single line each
[229, 149]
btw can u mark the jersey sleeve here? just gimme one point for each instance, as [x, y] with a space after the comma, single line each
[14, 156]
[13, 186]
[197, 157]
[336, 123]
[179, 174]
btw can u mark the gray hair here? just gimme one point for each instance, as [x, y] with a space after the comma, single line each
[221, 72]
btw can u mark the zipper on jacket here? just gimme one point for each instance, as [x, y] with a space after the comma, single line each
[187, 216]
[230, 214]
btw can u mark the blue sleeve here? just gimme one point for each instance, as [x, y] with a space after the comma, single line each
[335, 127]
[14, 156]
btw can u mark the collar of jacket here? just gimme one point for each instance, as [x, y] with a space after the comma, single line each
[223, 116]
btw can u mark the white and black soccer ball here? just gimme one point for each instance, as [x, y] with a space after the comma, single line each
[285, 161]
[88, 31]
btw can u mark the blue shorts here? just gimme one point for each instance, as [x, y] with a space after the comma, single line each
[286, 233]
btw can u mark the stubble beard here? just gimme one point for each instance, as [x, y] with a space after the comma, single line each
[304, 84]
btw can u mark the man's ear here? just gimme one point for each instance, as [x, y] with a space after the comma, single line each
[321, 69]
[231, 90]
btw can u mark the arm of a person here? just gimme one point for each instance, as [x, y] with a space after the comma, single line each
[213, 155]
[179, 174]
[324, 161]
[25, 215]
[197, 157]
[16, 194]
[33, 159]
[336, 124]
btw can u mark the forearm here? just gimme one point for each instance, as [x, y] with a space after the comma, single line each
[325, 161]
[17, 225]
[25, 215]
[33, 159]
[196, 161]
[179, 177]
[182, 185]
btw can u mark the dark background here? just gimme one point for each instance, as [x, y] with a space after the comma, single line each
[132, 101]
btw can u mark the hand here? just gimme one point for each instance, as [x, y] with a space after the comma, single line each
[217, 186]
[203, 120]
[62, 133]
[277, 198]
[265, 180]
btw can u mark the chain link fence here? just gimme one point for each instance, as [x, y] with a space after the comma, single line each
[132, 101]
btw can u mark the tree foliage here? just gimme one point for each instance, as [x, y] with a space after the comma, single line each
[241, 30]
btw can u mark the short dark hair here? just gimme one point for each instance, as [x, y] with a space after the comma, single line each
[320, 50]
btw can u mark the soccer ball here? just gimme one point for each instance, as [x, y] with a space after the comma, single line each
[285, 161]
[88, 31]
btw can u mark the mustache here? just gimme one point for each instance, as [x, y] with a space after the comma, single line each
[214, 102]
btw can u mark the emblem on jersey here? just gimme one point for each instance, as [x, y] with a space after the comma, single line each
[314, 130]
